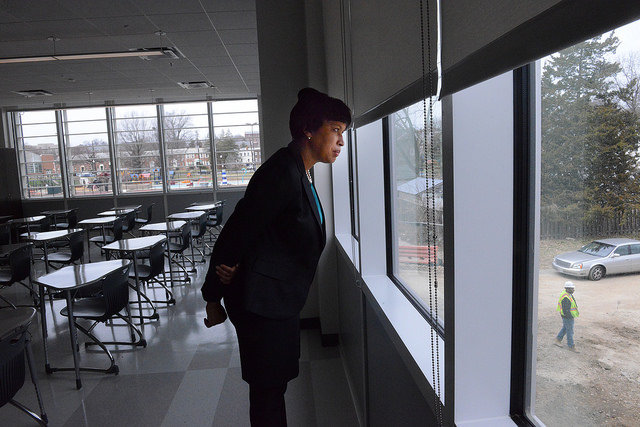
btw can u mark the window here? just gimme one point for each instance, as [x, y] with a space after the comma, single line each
[236, 141]
[590, 128]
[187, 144]
[39, 160]
[416, 198]
[87, 151]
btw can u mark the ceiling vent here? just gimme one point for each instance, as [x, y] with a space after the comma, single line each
[195, 85]
[32, 93]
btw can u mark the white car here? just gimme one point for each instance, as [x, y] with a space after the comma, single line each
[600, 257]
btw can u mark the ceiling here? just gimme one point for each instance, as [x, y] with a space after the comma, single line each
[218, 39]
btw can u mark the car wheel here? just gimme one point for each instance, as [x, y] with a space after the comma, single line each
[597, 272]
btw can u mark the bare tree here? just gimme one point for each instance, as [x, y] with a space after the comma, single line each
[136, 142]
[628, 82]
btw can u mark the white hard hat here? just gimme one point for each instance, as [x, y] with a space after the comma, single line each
[569, 285]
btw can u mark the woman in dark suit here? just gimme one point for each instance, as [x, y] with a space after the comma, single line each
[265, 258]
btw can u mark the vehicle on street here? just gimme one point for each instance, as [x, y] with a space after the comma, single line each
[599, 258]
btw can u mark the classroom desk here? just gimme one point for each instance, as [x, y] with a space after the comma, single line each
[46, 237]
[55, 214]
[192, 216]
[167, 228]
[134, 246]
[208, 207]
[68, 279]
[116, 212]
[102, 222]
[27, 221]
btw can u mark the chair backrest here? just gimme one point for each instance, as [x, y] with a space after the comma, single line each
[72, 219]
[20, 262]
[5, 234]
[200, 229]
[150, 211]
[115, 290]
[129, 221]
[12, 366]
[156, 259]
[117, 229]
[185, 235]
[216, 218]
[45, 224]
[76, 245]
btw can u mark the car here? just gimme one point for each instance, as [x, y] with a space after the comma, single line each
[599, 258]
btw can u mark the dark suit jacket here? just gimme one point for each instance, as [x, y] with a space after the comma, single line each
[276, 236]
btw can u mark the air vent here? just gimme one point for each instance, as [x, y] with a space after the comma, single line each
[32, 93]
[195, 85]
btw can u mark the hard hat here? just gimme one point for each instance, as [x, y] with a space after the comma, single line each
[569, 285]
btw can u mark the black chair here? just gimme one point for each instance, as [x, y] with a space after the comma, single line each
[129, 223]
[75, 242]
[15, 342]
[198, 230]
[106, 304]
[143, 221]
[18, 271]
[177, 248]
[214, 222]
[5, 234]
[100, 241]
[71, 221]
[149, 273]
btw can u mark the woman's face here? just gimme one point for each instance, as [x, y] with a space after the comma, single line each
[326, 142]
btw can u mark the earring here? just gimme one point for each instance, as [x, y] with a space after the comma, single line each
[308, 137]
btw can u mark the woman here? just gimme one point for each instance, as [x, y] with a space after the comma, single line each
[265, 257]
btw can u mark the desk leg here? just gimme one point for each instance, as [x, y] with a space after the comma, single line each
[88, 243]
[74, 339]
[46, 257]
[45, 334]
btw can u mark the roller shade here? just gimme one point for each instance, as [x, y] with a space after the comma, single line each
[484, 38]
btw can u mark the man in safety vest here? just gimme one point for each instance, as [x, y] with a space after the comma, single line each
[568, 309]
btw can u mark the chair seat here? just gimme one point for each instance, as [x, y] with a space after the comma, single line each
[5, 276]
[59, 257]
[102, 240]
[144, 272]
[88, 308]
[141, 220]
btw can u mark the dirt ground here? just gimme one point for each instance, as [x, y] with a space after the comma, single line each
[600, 385]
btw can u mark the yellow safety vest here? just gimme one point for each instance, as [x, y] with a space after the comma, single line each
[574, 306]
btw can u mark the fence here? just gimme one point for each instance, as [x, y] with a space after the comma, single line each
[629, 225]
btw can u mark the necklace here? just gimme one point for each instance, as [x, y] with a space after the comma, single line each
[309, 177]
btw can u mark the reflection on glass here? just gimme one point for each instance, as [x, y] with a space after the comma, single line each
[87, 148]
[590, 187]
[137, 149]
[39, 160]
[417, 203]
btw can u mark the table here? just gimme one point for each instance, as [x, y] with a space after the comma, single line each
[56, 213]
[133, 246]
[102, 222]
[48, 236]
[132, 207]
[67, 279]
[116, 212]
[27, 221]
[208, 207]
[166, 228]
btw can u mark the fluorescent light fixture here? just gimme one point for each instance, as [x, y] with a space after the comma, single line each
[144, 53]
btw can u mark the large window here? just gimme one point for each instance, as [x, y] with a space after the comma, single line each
[416, 196]
[39, 159]
[134, 149]
[590, 190]
[87, 151]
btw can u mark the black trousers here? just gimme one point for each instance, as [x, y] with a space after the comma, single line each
[266, 406]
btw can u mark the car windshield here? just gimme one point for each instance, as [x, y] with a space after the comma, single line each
[597, 248]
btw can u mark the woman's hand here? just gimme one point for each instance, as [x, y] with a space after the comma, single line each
[215, 314]
[226, 273]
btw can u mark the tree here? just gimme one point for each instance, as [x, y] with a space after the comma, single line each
[227, 149]
[574, 81]
[136, 138]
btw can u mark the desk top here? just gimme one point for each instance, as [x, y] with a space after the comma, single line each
[15, 321]
[135, 244]
[98, 221]
[132, 207]
[46, 236]
[203, 207]
[57, 212]
[116, 211]
[77, 276]
[28, 219]
[187, 215]
[163, 226]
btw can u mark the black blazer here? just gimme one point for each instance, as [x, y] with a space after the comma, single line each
[276, 236]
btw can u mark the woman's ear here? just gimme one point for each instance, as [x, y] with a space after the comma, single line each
[307, 134]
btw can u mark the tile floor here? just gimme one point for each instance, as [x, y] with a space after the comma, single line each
[186, 376]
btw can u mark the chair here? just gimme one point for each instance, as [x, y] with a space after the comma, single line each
[100, 241]
[214, 222]
[5, 234]
[129, 223]
[19, 270]
[176, 249]
[148, 273]
[143, 221]
[15, 341]
[112, 298]
[198, 230]
[74, 254]
[71, 221]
